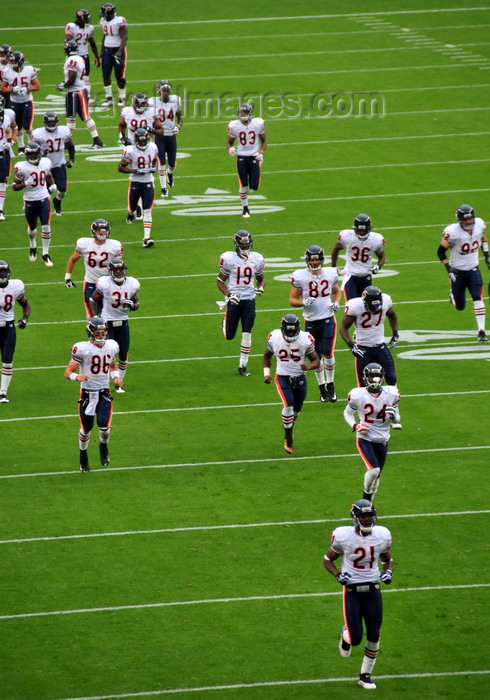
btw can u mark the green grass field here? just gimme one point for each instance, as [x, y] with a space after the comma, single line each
[192, 565]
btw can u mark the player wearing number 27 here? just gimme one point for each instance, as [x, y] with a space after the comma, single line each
[361, 545]
[248, 131]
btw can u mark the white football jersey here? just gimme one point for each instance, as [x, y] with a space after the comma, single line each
[5, 125]
[320, 288]
[241, 273]
[55, 142]
[8, 296]
[137, 121]
[360, 553]
[290, 356]
[97, 256]
[75, 64]
[166, 111]
[359, 253]
[369, 325]
[114, 294]
[464, 245]
[140, 160]
[247, 135]
[80, 36]
[39, 173]
[111, 31]
[371, 410]
[95, 362]
[24, 77]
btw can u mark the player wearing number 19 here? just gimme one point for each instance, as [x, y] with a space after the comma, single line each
[361, 545]
[11, 291]
[92, 364]
[247, 131]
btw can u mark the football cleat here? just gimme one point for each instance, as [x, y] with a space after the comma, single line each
[130, 218]
[164, 192]
[121, 102]
[57, 206]
[246, 213]
[2, 216]
[119, 390]
[170, 179]
[97, 143]
[138, 213]
[3, 397]
[47, 260]
[344, 647]
[32, 254]
[84, 467]
[332, 396]
[288, 440]
[104, 454]
[482, 338]
[366, 682]
[148, 243]
[22, 150]
[323, 393]
[243, 371]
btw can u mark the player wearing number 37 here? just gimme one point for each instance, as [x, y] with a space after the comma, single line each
[361, 545]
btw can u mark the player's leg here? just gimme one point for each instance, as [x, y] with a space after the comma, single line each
[106, 64]
[88, 290]
[383, 356]
[4, 173]
[373, 616]
[287, 414]
[30, 212]
[19, 114]
[133, 198]
[231, 320]
[122, 337]
[59, 175]
[242, 169]
[161, 143]
[247, 312]
[8, 340]
[45, 217]
[171, 159]
[71, 110]
[329, 334]
[476, 290]
[104, 419]
[86, 425]
[82, 111]
[373, 455]
[316, 328]
[147, 200]
[120, 75]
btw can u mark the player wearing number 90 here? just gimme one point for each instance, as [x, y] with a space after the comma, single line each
[93, 365]
[247, 131]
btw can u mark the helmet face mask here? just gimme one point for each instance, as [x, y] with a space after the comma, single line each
[82, 18]
[33, 152]
[290, 327]
[16, 60]
[314, 257]
[100, 229]
[71, 47]
[243, 243]
[108, 11]
[164, 89]
[50, 121]
[5, 50]
[117, 271]
[97, 331]
[373, 299]
[465, 214]
[4, 273]
[140, 102]
[245, 113]
[373, 376]
[362, 226]
[364, 515]
[141, 139]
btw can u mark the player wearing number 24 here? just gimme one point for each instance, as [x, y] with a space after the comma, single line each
[361, 545]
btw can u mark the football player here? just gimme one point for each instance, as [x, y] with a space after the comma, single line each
[11, 291]
[97, 252]
[119, 295]
[361, 545]
[316, 289]
[20, 80]
[168, 108]
[377, 410]
[249, 133]
[360, 245]
[5, 50]
[368, 313]
[140, 162]
[113, 51]
[8, 133]
[463, 240]
[34, 177]
[55, 139]
[93, 364]
[239, 270]
[139, 115]
[82, 32]
[76, 101]
[291, 346]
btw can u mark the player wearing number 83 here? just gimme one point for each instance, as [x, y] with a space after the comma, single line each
[247, 131]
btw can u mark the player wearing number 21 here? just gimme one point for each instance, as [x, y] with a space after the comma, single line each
[247, 131]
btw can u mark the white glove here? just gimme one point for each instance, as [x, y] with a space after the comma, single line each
[309, 301]
[259, 157]
[60, 86]
[390, 412]
[30, 182]
[232, 151]
[335, 306]
[233, 299]
[375, 269]
[52, 188]
[259, 290]
[128, 304]
[20, 90]
[176, 129]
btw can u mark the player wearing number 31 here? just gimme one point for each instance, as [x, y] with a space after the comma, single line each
[247, 131]
[361, 545]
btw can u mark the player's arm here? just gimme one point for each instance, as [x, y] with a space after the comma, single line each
[71, 372]
[122, 126]
[387, 560]
[124, 166]
[263, 141]
[19, 182]
[393, 320]
[347, 322]
[69, 269]
[123, 35]
[157, 126]
[70, 146]
[484, 247]
[5, 87]
[260, 283]
[180, 120]
[336, 294]
[441, 254]
[34, 85]
[380, 254]
[221, 280]
[92, 302]
[295, 297]
[266, 363]
[26, 311]
[328, 562]
[72, 75]
[131, 304]
[229, 145]
[335, 253]
[95, 51]
[314, 361]
[12, 131]
[115, 374]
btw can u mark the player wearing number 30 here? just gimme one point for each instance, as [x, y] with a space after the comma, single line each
[249, 133]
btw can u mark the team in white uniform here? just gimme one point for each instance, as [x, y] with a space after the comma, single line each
[8, 133]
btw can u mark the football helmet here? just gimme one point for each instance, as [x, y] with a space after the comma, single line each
[139, 102]
[4, 273]
[373, 375]
[5, 50]
[71, 47]
[108, 11]
[141, 139]
[164, 85]
[245, 113]
[362, 226]
[33, 152]
[100, 229]
[50, 121]
[373, 299]
[314, 257]
[82, 18]
[290, 327]
[16, 59]
[243, 243]
[117, 271]
[97, 331]
[364, 515]
[466, 217]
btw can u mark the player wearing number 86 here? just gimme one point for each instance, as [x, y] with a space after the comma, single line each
[249, 133]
